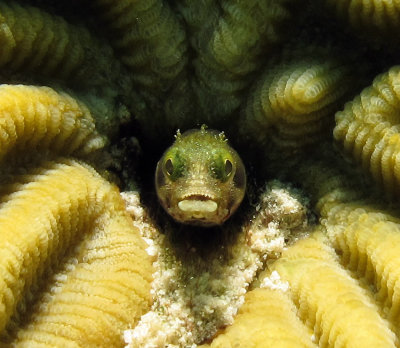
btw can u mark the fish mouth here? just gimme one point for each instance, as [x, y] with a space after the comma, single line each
[198, 204]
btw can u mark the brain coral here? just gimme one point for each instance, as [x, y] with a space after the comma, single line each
[368, 129]
[73, 268]
[310, 261]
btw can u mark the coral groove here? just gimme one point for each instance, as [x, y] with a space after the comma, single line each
[371, 256]
[73, 269]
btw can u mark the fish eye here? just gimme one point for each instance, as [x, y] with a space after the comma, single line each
[169, 167]
[228, 167]
[222, 168]
[173, 166]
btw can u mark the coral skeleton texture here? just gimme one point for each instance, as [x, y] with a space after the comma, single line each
[296, 99]
[33, 40]
[368, 129]
[374, 18]
[79, 257]
[334, 301]
[64, 230]
[150, 38]
[312, 257]
[39, 118]
[266, 317]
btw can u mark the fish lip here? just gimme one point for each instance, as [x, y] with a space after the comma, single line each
[198, 206]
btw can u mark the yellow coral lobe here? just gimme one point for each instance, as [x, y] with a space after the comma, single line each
[369, 241]
[329, 300]
[38, 118]
[373, 18]
[75, 261]
[267, 318]
[293, 103]
[368, 129]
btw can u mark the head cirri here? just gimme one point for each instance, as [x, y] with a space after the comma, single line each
[200, 179]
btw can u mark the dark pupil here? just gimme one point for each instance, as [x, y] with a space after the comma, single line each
[169, 167]
[228, 167]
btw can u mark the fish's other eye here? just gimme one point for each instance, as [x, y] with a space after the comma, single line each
[222, 168]
[169, 167]
[228, 167]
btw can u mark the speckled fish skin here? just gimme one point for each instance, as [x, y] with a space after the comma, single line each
[200, 180]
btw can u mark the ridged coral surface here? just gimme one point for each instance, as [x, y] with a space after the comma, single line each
[375, 18]
[335, 307]
[232, 51]
[311, 265]
[33, 40]
[73, 269]
[341, 279]
[40, 119]
[292, 103]
[368, 130]
[267, 317]
[78, 258]
[150, 38]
